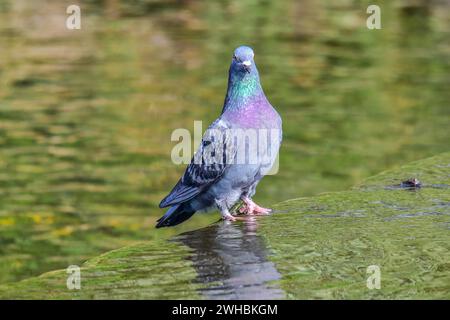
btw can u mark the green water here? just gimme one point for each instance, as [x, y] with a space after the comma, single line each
[310, 248]
[86, 115]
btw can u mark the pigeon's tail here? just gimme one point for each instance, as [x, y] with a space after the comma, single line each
[175, 215]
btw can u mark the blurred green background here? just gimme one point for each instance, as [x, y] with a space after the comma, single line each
[86, 115]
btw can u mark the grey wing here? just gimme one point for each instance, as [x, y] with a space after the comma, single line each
[207, 166]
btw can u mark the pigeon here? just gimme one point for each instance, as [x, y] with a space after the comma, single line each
[229, 164]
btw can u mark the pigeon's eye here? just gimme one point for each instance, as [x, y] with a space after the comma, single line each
[235, 58]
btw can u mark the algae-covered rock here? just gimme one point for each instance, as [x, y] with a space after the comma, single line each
[318, 247]
[323, 245]
[153, 270]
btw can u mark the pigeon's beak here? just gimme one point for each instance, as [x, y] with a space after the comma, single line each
[247, 65]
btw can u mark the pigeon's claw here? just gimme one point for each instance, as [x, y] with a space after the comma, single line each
[252, 208]
[228, 217]
[262, 210]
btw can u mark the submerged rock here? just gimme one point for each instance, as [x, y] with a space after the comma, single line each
[317, 247]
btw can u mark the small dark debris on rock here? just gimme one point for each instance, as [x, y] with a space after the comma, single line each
[412, 183]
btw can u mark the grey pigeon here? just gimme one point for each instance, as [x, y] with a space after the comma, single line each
[236, 151]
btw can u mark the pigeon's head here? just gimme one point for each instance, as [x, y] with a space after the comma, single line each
[243, 61]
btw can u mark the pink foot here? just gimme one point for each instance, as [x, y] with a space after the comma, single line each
[252, 208]
[228, 217]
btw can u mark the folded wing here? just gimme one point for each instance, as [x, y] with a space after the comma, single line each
[215, 154]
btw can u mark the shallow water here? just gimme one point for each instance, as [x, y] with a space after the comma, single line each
[315, 247]
[86, 116]
[231, 262]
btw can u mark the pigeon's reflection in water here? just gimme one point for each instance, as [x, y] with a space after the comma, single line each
[231, 260]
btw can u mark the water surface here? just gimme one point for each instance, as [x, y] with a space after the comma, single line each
[310, 248]
[231, 262]
[86, 116]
